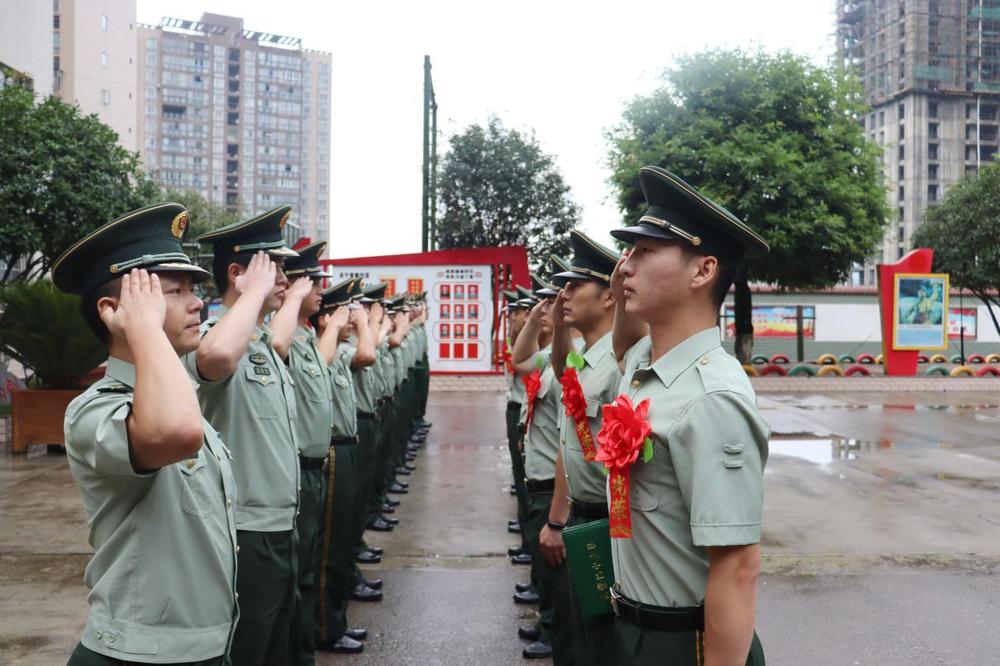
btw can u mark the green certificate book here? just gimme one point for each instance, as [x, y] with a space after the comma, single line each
[588, 554]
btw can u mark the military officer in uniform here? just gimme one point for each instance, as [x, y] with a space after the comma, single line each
[687, 578]
[156, 479]
[246, 393]
[584, 303]
[517, 315]
[337, 580]
[308, 357]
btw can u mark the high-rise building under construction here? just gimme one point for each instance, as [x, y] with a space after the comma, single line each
[930, 70]
[240, 116]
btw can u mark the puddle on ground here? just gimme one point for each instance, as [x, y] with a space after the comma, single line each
[952, 409]
[822, 450]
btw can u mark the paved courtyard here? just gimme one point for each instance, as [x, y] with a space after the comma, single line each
[881, 540]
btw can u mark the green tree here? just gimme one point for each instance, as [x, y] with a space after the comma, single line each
[61, 174]
[777, 141]
[497, 187]
[963, 231]
[204, 216]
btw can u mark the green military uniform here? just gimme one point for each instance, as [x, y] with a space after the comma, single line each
[254, 410]
[513, 418]
[703, 486]
[162, 579]
[336, 569]
[314, 418]
[599, 377]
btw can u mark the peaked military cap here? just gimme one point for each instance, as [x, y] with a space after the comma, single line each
[512, 300]
[374, 293]
[525, 294]
[357, 290]
[263, 232]
[591, 260]
[147, 238]
[307, 263]
[396, 303]
[562, 266]
[542, 288]
[678, 211]
[337, 295]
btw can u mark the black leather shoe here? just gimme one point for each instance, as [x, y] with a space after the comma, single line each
[523, 558]
[362, 592]
[425, 424]
[529, 597]
[412, 468]
[380, 525]
[402, 484]
[515, 550]
[417, 439]
[357, 634]
[387, 509]
[402, 470]
[522, 587]
[374, 583]
[514, 528]
[397, 489]
[529, 633]
[537, 650]
[378, 550]
[410, 457]
[343, 645]
[392, 502]
[391, 521]
[367, 557]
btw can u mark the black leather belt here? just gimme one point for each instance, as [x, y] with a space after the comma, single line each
[657, 618]
[343, 441]
[305, 462]
[588, 510]
[365, 416]
[514, 405]
[540, 485]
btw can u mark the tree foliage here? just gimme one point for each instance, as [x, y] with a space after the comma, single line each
[62, 174]
[963, 230]
[42, 328]
[775, 140]
[497, 187]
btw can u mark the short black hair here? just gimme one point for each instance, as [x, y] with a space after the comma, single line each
[88, 308]
[725, 276]
[220, 267]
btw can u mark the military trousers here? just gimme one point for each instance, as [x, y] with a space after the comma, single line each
[379, 481]
[555, 620]
[85, 657]
[513, 416]
[422, 376]
[308, 525]
[642, 647]
[336, 567]
[367, 457]
[266, 583]
[593, 638]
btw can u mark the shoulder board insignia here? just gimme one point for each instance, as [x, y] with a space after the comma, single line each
[115, 388]
[264, 372]
[258, 358]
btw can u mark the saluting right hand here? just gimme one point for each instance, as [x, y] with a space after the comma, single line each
[618, 280]
[557, 312]
[539, 311]
[258, 278]
[141, 307]
[375, 314]
[340, 316]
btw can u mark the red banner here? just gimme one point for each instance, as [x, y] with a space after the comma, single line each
[575, 403]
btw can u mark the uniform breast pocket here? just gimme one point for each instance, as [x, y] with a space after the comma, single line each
[195, 496]
[262, 391]
[312, 389]
[341, 382]
[593, 408]
[646, 482]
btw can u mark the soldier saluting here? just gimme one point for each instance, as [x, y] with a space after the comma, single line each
[155, 477]
[686, 512]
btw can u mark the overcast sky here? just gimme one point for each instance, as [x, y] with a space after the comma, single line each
[561, 69]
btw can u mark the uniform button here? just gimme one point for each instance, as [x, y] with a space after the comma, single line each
[100, 634]
[636, 383]
[190, 464]
[237, 549]
[229, 501]
[237, 596]
[704, 361]
[111, 636]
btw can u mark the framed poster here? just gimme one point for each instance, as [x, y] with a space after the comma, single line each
[919, 307]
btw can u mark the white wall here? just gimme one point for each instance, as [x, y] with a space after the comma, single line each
[26, 40]
[844, 322]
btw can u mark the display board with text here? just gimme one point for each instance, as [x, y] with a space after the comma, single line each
[459, 300]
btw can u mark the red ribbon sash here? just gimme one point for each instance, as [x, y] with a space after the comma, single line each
[619, 509]
[624, 438]
[575, 403]
[532, 384]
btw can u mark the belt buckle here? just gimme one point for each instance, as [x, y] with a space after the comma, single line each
[614, 598]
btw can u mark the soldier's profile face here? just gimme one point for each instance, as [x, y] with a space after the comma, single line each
[277, 296]
[582, 302]
[312, 302]
[657, 275]
[183, 316]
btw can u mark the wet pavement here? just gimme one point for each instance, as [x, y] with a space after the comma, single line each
[881, 540]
